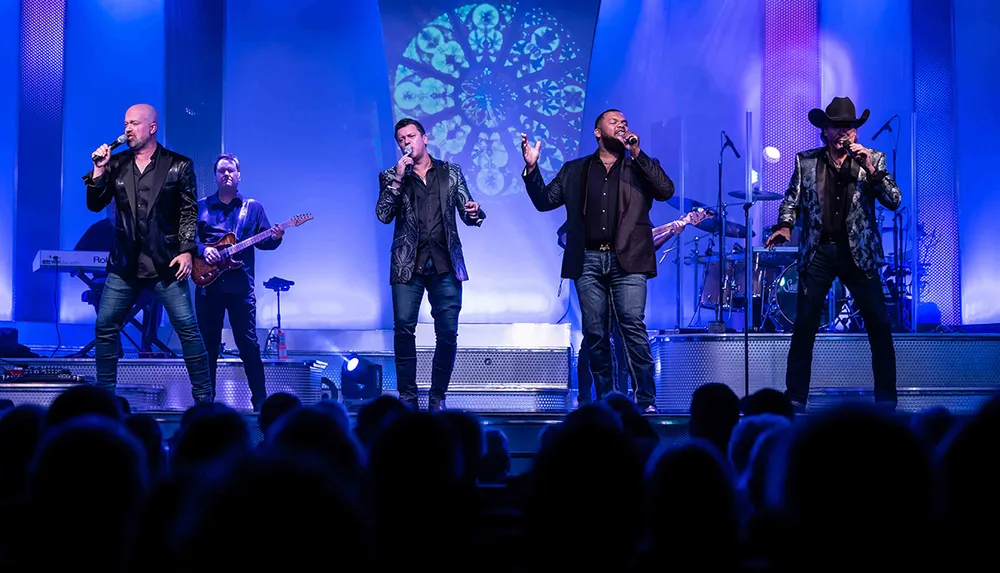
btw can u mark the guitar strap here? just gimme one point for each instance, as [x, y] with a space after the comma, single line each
[241, 219]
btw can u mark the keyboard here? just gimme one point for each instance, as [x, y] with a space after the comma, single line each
[69, 261]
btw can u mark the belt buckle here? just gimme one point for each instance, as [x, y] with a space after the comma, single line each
[605, 247]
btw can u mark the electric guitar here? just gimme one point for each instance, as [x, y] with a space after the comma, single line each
[204, 273]
[664, 232]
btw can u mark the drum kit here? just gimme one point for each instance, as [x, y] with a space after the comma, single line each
[774, 278]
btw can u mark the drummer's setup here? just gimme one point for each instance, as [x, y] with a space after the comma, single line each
[774, 276]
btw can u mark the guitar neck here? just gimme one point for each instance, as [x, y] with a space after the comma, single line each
[261, 236]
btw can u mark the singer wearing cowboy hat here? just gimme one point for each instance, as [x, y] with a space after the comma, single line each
[834, 189]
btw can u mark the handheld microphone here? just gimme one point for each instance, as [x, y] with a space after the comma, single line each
[111, 147]
[631, 140]
[847, 147]
[884, 127]
[408, 151]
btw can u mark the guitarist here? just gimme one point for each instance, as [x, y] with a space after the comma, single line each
[228, 211]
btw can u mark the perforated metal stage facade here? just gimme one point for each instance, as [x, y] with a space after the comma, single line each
[956, 371]
[526, 380]
[163, 384]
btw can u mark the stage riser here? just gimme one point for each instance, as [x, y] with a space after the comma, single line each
[930, 368]
[164, 385]
[531, 369]
[523, 400]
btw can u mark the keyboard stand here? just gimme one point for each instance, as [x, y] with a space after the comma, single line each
[152, 315]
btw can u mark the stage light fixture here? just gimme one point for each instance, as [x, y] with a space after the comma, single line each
[771, 154]
[360, 379]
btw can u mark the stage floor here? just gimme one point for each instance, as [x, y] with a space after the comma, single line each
[956, 371]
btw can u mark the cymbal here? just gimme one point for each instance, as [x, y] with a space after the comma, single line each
[715, 258]
[757, 195]
[733, 230]
[689, 205]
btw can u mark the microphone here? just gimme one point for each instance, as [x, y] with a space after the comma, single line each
[729, 144]
[111, 147]
[631, 140]
[885, 126]
[846, 145]
[408, 151]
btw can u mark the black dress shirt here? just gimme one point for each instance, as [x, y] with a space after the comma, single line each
[143, 194]
[836, 189]
[217, 219]
[601, 207]
[432, 247]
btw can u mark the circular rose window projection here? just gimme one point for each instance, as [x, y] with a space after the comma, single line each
[478, 76]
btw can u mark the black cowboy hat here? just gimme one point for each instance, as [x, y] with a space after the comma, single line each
[840, 112]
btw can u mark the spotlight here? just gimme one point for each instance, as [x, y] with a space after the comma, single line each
[360, 379]
[771, 154]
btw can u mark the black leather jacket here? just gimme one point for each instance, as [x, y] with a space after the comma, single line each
[173, 217]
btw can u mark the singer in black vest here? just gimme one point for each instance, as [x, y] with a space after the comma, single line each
[421, 195]
[833, 190]
[228, 211]
[157, 203]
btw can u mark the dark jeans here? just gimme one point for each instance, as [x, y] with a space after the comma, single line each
[212, 306]
[444, 291]
[116, 301]
[602, 288]
[585, 380]
[833, 260]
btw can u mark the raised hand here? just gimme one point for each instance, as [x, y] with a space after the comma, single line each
[530, 153]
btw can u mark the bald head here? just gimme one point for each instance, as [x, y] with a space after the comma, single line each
[141, 124]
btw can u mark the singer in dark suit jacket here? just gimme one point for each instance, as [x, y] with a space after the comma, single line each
[422, 195]
[609, 242]
[155, 237]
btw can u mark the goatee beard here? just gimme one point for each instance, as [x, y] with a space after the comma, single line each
[612, 144]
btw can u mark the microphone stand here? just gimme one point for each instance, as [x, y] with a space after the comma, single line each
[897, 230]
[748, 306]
[719, 324]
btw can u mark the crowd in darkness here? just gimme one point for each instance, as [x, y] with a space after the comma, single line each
[86, 484]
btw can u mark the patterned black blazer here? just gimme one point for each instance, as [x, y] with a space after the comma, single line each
[398, 205]
[863, 232]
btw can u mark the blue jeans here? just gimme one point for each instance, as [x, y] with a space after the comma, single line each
[444, 291]
[116, 301]
[585, 380]
[602, 288]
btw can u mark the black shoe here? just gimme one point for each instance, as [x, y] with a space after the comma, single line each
[256, 403]
[435, 404]
[886, 406]
[798, 407]
[412, 403]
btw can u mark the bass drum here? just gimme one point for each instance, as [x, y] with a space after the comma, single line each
[784, 300]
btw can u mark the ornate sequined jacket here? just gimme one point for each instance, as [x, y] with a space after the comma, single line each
[863, 232]
[399, 206]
